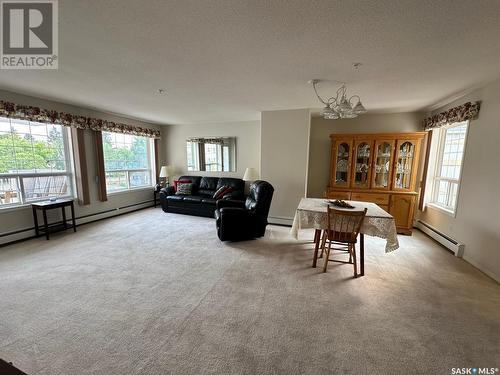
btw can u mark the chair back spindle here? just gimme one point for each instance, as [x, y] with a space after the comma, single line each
[344, 226]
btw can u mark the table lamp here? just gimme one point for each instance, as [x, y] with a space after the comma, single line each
[251, 174]
[166, 171]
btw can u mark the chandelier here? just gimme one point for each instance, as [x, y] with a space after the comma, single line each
[339, 106]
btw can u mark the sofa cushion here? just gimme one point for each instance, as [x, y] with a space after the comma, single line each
[205, 192]
[193, 199]
[210, 201]
[235, 183]
[175, 198]
[209, 183]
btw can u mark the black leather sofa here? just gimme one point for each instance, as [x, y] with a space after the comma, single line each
[237, 220]
[201, 202]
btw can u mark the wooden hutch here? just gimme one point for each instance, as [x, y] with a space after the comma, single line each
[378, 168]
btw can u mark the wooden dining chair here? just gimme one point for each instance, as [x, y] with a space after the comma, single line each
[342, 231]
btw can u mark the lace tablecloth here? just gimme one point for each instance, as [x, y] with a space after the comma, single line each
[311, 213]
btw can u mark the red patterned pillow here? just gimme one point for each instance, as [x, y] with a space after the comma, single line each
[219, 194]
[176, 182]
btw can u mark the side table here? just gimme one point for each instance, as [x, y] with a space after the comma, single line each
[48, 205]
[156, 192]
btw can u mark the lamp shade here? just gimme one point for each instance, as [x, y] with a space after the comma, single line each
[166, 171]
[251, 175]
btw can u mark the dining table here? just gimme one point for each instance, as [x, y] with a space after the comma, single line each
[312, 213]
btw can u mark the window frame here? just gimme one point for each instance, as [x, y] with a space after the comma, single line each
[436, 175]
[151, 168]
[19, 177]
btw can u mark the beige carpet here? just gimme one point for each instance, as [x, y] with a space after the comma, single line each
[156, 293]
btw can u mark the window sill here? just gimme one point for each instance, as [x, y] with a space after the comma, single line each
[27, 205]
[442, 209]
[125, 191]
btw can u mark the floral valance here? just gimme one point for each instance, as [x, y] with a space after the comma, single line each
[24, 112]
[467, 111]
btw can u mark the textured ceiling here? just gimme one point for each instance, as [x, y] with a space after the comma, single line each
[228, 60]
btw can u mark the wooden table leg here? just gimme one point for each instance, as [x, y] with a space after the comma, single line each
[317, 239]
[45, 224]
[362, 253]
[63, 208]
[35, 220]
[73, 216]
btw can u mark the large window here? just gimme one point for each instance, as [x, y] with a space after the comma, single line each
[127, 161]
[35, 162]
[448, 166]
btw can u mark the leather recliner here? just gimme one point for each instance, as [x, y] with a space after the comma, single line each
[237, 220]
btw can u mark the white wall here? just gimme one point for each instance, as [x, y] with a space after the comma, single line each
[284, 159]
[20, 218]
[319, 155]
[247, 135]
[477, 221]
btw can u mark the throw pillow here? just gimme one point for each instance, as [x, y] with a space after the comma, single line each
[218, 193]
[176, 182]
[223, 190]
[227, 191]
[184, 188]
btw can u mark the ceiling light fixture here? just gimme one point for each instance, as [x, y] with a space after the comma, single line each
[339, 106]
[162, 91]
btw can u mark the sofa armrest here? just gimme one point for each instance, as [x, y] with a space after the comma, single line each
[234, 195]
[166, 191]
[221, 203]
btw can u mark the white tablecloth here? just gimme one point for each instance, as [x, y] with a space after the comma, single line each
[311, 213]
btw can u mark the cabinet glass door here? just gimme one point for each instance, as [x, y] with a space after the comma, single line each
[403, 166]
[362, 165]
[342, 164]
[382, 165]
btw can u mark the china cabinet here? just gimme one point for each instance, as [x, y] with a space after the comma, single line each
[378, 168]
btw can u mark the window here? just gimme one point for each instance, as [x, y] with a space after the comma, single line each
[211, 154]
[127, 161]
[449, 157]
[35, 162]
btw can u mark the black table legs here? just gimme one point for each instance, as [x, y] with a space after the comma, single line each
[44, 206]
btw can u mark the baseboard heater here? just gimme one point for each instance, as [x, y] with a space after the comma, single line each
[456, 247]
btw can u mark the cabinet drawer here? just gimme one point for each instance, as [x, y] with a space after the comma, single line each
[338, 195]
[382, 199]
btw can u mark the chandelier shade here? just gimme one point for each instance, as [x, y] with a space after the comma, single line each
[339, 106]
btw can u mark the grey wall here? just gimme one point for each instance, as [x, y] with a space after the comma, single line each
[319, 155]
[285, 151]
[20, 218]
[247, 135]
[477, 223]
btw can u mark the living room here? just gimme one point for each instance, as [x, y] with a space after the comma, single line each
[153, 279]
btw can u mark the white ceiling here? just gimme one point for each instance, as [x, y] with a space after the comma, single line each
[227, 60]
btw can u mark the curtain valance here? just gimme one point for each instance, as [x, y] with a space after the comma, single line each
[24, 112]
[467, 111]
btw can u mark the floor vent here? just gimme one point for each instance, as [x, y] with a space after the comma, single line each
[443, 239]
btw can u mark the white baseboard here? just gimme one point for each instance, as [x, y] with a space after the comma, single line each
[280, 220]
[112, 212]
[27, 233]
[22, 234]
[448, 242]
